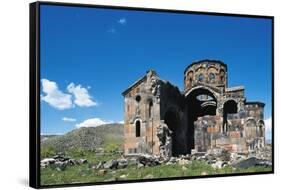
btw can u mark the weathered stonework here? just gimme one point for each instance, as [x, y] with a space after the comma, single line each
[162, 120]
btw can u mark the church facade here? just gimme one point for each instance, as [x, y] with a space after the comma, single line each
[160, 119]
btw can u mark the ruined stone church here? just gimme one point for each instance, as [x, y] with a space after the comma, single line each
[162, 120]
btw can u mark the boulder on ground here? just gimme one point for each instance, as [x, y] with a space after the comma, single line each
[82, 161]
[60, 166]
[253, 161]
[219, 164]
[148, 160]
[122, 163]
[101, 172]
[111, 164]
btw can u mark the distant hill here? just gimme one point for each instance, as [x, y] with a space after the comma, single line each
[45, 137]
[86, 138]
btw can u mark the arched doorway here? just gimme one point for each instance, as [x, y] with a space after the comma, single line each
[200, 102]
[261, 128]
[229, 107]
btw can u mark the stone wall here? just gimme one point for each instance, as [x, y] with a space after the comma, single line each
[142, 116]
[159, 119]
[205, 72]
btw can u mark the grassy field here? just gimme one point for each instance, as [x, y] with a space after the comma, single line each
[84, 174]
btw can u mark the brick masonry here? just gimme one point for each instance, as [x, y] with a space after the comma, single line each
[205, 115]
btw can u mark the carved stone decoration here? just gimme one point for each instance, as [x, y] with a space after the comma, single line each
[219, 107]
[240, 105]
[153, 84]
[138, 110]
[165, 138]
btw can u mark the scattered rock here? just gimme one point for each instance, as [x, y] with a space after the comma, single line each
[73, 162]
[111, 164]
[92, 166]
[57, 157]
[184, 168]
[173, 160]
[132, 161]
[186, 157]
[193, 157]
[148, 160]
[111, 179]
[48, 161]
[170, 163]
[149, 176]
[82, 161]
[60, 166]
[201, 158]
[219, 164]
[100, 165]
[184, 162]
[123, 177]
[217, 158]
[102, 172]
[122, 163]
[253, 161]
[204, 173]
[60, 162]
[140, 165]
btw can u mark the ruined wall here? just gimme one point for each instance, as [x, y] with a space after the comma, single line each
[233, 113]
[255, 109]
[159, 119]
[243, 133]
[207, 132]
[172, 113]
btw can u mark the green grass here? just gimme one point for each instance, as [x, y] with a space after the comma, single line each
[84, 174]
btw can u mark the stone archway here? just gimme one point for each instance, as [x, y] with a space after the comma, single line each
[229, 107]
[261, 128]
[200, 101]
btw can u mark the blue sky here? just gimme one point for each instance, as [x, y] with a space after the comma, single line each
[90, 56]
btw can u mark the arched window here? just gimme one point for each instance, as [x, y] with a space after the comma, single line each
[201, 78]
[222, 76]
[261, 129]
[150, 109]
[212, 77]
[138, 128]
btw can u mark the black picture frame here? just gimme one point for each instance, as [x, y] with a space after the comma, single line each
[34, 90]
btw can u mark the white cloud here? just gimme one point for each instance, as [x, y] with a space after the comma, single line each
[82, 96]
[268, 128]
[68, 119]
[267, 123]
[54, 97]
[122, 21]
[93, 122]
[121, 122]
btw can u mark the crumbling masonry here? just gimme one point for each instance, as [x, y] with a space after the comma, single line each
[162, 120]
